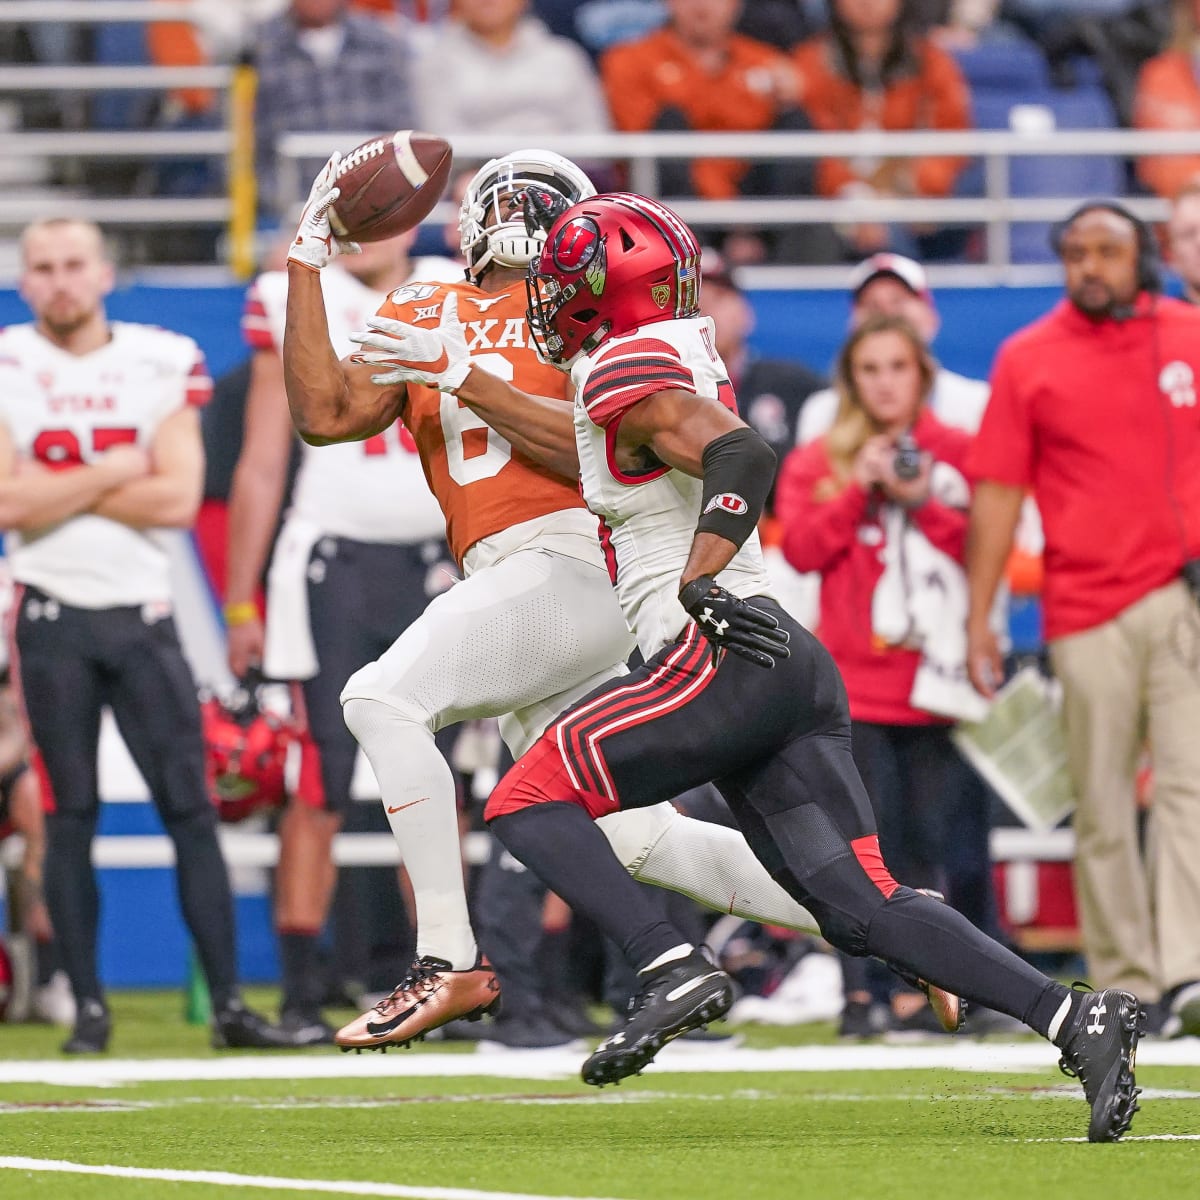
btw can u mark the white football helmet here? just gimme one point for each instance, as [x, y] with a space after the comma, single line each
[488, 232]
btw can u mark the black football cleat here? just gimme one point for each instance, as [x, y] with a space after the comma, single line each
[305, 1028]
[237, 1027]
[1099, 1049]
[92, 1028]
[683, 994]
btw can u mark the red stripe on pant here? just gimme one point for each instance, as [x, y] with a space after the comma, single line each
[870, 858]
[541, 775]
[643, 700]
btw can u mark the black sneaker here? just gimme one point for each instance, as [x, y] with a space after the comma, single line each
[305, 1028]
[93, 1026]
[861, 1019]
[1099, 1049]
[237, 1027]
[681, 995]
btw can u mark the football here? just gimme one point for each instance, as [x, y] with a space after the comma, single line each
[389, 184]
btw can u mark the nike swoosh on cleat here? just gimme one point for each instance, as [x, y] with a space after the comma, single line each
[395, 808]
[690, 986]
[387, 1026]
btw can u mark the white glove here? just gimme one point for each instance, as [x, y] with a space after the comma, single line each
[314, 245]
[436, 357]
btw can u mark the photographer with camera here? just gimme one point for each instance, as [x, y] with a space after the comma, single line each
[1094, 407]
[878, 507]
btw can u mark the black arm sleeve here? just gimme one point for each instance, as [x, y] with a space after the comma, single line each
[739, 468]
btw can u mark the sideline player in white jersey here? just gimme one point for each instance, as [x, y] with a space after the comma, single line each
[99, 451]
[360, 552]
[532, 627]
[734, 690]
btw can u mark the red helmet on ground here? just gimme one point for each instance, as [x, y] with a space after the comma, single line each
[610, 263]
[245, 755]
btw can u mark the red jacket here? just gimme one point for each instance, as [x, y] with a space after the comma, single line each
[842, 539]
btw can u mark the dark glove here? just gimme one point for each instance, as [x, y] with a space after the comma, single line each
[730, 623]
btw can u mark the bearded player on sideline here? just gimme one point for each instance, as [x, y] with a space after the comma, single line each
[734, 690]
[532, 627]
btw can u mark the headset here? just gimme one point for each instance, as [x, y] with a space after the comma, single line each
[1149, 268]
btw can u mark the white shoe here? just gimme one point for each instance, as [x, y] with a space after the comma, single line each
[812, 991]
[53, 1002]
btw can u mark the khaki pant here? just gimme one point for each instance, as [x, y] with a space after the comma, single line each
[1133, 680]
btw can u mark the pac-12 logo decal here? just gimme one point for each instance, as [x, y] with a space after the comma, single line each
[660, 293]
[729, 502]
[1178, 382]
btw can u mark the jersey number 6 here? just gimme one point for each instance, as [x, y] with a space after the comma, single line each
[474, 450]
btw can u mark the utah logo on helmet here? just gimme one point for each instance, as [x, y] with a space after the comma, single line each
[611, 263]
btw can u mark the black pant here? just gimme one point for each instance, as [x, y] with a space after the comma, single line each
[72, 662]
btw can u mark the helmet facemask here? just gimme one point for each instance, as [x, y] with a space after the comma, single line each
[492, 225]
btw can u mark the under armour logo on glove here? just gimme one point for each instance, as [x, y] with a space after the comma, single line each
[1095, 1025]
[731, 623]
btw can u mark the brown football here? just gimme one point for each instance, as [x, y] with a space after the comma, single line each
[389, 184]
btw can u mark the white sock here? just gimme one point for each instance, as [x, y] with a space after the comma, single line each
[716, 867]
[418, 793]
[676, 952]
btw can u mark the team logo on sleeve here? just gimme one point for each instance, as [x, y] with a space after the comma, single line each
[729, 502]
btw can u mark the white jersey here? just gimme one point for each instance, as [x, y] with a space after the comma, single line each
[648, 520]
[63, 409]
[369, 491]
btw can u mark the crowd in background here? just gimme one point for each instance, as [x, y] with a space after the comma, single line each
[540, 67]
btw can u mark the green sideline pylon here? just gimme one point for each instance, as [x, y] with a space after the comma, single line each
[197, 1008]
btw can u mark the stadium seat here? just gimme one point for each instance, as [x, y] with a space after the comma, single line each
[121, 43]
[1099, 175]
[1011, 64]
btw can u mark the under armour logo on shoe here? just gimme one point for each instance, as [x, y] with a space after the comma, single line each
[1095, 1025]
[719, 626]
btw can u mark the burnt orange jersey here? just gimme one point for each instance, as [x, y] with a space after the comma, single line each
[481, 482]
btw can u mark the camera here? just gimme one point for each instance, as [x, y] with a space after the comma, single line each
[906, 462]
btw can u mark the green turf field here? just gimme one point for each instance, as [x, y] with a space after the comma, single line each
[453, 1124]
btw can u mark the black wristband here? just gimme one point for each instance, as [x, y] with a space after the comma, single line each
[739, 468]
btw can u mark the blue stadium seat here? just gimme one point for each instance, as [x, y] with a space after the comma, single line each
[1011, 64]
[113, 44]
[1082, 108]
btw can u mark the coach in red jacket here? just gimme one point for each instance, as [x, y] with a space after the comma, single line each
[1094, 407]
[839, 500]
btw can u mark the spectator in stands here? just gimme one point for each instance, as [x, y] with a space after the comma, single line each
[1093, 406]
[100, 451]
[356, 561]
[322, 67]
[855, 511]
[1168, 97]
[495, 68]
[872, 71]
[696, 73]
[1183, 232]
[890, 285]
[893, 285]
[770, 391]
[598, 24]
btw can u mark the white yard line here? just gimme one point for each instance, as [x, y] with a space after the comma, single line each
[338, 1187]
[954, 1055]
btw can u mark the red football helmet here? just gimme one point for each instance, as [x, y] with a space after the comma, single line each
[245, 754]
[610, 263]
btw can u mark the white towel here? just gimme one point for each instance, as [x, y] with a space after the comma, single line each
[288, 650]
[920, 602]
